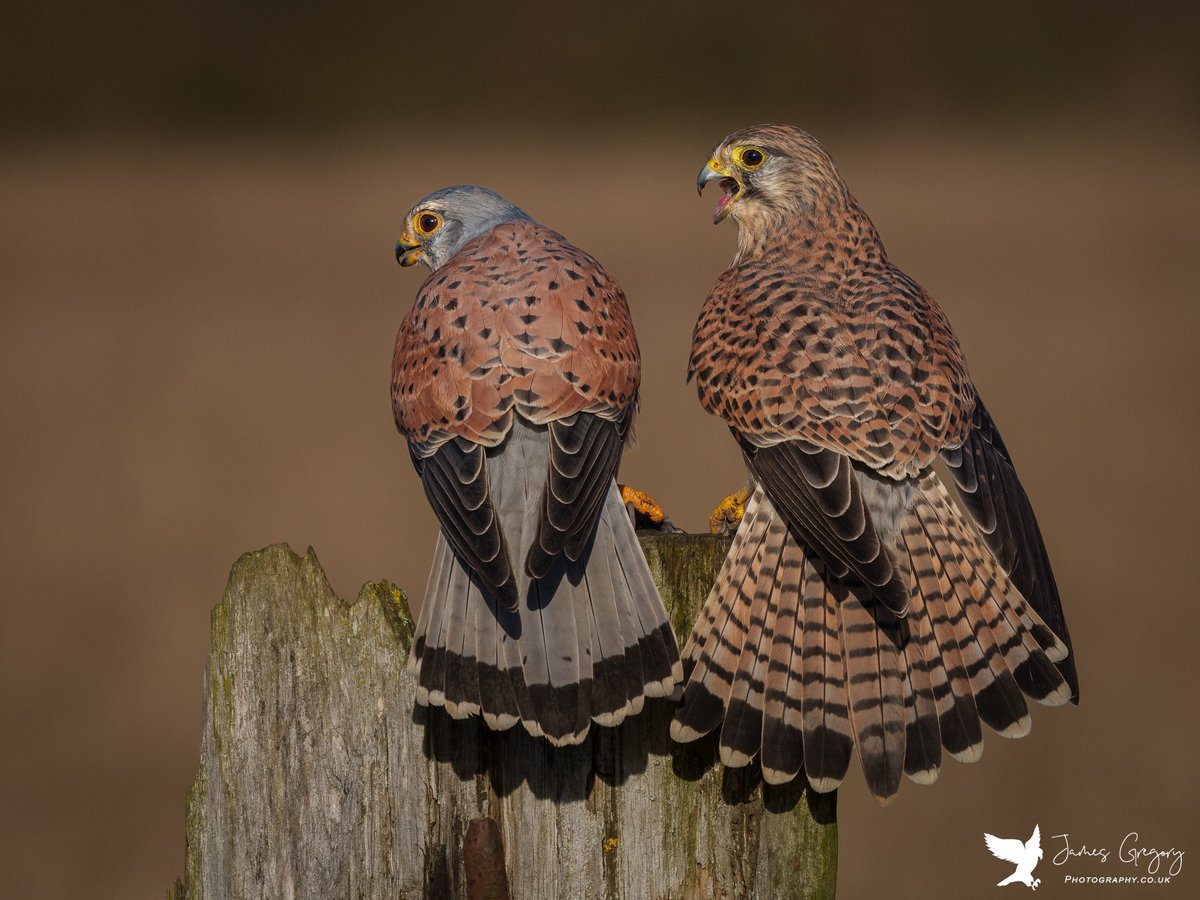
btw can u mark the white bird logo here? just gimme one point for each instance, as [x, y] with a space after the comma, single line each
[1024, 856]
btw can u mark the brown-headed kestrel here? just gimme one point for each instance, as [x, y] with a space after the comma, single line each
[858, 607]
[515, 382]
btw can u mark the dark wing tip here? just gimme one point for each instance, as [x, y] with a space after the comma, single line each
[987, 483]
[506, 594]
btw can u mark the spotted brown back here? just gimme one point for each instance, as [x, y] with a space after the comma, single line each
[518, 320]
[821, 339]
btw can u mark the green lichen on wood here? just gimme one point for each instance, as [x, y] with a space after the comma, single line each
[187, 886]
[684, 567]
[810, 832]
[656, 819]
[393, 601]
[220, 682]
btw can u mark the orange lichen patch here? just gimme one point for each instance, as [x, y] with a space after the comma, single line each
[728, 514]
[643, 504]
[609, 844]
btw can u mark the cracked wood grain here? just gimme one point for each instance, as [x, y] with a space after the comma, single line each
[318, 779]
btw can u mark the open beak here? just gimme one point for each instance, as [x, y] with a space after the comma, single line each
[732, 188]
[407, 250]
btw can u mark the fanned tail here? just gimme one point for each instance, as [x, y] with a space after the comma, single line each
[797, 665]
[988, 485]
[717, 641]
[588, 641]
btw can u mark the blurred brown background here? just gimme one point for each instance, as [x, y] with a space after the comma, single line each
[199, 205]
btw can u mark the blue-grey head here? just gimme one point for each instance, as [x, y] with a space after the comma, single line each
[442, 222]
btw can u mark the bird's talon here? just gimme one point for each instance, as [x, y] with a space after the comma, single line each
[644, 511]
[726, 518]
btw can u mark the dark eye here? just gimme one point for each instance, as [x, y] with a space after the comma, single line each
[752, 158]
[428, 223]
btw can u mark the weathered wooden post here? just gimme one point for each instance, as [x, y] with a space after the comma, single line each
[318, 780]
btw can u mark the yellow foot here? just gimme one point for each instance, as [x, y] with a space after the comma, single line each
[728, 515]
[644, 510]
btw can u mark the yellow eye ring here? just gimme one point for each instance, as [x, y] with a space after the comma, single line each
[427, 222]
[749, 158]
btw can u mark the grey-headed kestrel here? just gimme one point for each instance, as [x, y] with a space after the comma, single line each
[515, 382]
[858, 607]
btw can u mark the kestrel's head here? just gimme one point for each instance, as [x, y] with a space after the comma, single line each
[770, 173]
[442, 222]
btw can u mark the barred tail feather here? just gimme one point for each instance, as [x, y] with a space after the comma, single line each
[428, 640]
[610, 684]
[768, 661]
[958, 718]
[550, 664]
[661, 653]
[870, 644]
[498, 703]
[511, 667]
[923, 735]
[461, 645]
[995, 705]
[741, 733]
[782, 719]
[1029, 647]
[630, 670]
[999, 701]
[828, 737]
[987, 483]
[587, 642]
[800, 665]
[719, 637]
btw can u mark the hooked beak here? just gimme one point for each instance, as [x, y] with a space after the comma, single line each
[730, 185]
[407, 250]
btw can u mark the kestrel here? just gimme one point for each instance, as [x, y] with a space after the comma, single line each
[515, 382]
[857, 606]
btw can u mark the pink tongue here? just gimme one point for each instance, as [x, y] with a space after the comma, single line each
[724, 199]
